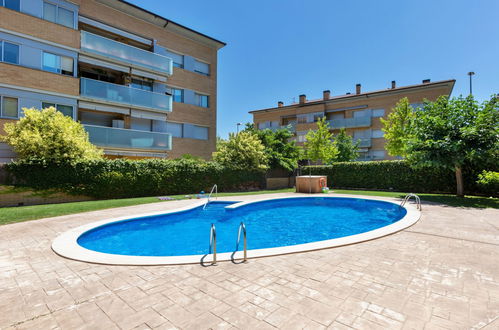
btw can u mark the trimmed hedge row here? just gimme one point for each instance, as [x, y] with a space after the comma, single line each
[127, 178]
[394, 175]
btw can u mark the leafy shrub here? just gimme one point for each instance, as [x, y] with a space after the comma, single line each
[488, 181]
[126, 178]
[394, 175]
[49, 137]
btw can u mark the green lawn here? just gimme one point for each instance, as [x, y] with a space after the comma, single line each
[25, 213]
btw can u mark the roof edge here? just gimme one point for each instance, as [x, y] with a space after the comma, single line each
[163, 22]
[345, 96]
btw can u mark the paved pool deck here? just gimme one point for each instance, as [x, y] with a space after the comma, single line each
[441, 273]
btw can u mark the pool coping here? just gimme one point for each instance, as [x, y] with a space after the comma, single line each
[66, 244]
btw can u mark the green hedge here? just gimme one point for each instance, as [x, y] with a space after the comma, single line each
[394, 175]
[127, 178]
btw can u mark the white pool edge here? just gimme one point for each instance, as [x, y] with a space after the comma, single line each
[66, 244]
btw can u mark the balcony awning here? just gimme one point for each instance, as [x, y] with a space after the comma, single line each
[103, 64]
[102, 107]
[148, 115]
[148, 75]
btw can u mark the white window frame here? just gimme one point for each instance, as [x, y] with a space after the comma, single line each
[60, 63]
[1, 106]
[57, 6]
[64, 105]
[196, 94]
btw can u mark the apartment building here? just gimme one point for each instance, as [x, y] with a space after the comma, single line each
[143, 86]
[359, 113]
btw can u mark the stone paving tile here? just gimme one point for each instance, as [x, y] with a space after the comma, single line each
[441, 273]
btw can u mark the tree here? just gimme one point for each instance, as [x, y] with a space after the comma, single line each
[48, 136]
[319, 145]
[397, 127]
[242, 151]
[348, 150]
[281, 151]
[451, 133]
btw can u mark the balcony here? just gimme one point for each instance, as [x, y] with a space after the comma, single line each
[114, 50]
[291, 127]
[364, 143]
[128, 139]
[124, 95]
[350, 122]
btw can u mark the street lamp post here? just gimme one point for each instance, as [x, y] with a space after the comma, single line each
[238, 124]
[471, 74]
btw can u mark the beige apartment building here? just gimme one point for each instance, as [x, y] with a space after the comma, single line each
[142, 85]
[359, 113]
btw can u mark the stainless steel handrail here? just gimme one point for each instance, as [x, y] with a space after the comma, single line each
[213, 243]
[242, 228]
[416, 199]
[214, 188]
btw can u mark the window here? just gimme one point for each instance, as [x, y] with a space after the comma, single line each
[195, 132]
[141, 84]
[378, 112]
[301, 136]
[309, 117]
[202, 100]
[9, 107]
[264, 125]
[178, 95]
[66, 110]
[377, 133]
[57, 64]
[202, 68]
[57, 14]
[417, 106]
[178, 60]
[175, 129]
[377, 154]
[9, 52]
[11, 4]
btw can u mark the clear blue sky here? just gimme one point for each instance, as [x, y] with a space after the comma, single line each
[278, 49]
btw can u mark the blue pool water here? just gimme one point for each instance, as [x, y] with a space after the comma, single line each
[269, 224]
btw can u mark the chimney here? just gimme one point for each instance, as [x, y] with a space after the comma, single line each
[357, 88]
[280, 104]
[394, 84]
[326, 95]
[303, 98]
[426, 81]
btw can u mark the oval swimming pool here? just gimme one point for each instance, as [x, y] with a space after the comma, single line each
[269, 223]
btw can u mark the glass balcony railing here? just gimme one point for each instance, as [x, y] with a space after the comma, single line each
[96, 44]
[128, 138]
[350, 122]
[290, 126]
[364, 143]
[96, 89]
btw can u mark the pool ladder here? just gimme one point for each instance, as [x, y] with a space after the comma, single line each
[213, 189]
[242, 228]
[213, 242]
[416, 199]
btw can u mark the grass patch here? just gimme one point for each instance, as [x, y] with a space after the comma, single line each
[25, 213]
[451, 200]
